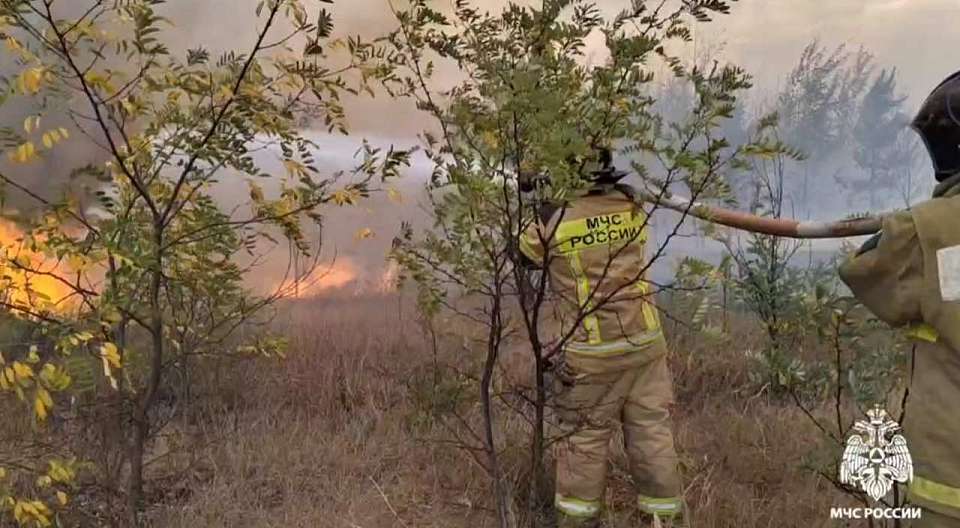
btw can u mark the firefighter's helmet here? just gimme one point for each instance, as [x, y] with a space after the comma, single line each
[938, 123]
[601, 169]
[597, 168]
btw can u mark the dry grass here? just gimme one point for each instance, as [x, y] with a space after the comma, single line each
[340, 435]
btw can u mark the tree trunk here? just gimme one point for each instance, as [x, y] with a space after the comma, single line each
[538, 478]
[141, 413]
[493, 458]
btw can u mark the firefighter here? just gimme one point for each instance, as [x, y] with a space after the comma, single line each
[909, 276]
[615, 368]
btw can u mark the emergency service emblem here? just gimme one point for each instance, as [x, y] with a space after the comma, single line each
[876, 455]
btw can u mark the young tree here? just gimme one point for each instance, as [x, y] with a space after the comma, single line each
[885, 148]
[821, 94]
[527, 104]
[148, 283]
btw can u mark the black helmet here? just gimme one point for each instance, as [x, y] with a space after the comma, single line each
[597, 168]
[938, 123]
[600, 168]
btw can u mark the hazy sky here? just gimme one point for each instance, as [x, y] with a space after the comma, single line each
[764, 36]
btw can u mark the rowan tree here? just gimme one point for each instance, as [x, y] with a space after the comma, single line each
[148, 281]
[527, 101]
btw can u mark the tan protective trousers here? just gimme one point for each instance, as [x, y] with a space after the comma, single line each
[597, 395]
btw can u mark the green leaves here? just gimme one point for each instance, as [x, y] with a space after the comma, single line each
[149, 273]
[703, 10]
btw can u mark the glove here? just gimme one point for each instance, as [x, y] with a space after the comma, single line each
[870, 244]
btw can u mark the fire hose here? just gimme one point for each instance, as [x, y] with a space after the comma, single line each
[783, 227]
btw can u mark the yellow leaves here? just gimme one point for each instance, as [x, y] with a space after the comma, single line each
[99, 81]
[15, 47]
[225, 93]
[25, 153]
[54, 136]
[30, 81]
[346, 197]
[294, 168]
[3, 473]
[111, 315]
[78, 262]
[15, 377]
[35, 512]
[79, 337]
[32, 511]
[7, 378]
[42, 403]
[39, 409]
[111, 353]
[93, 78]
[394, 195]
[110, 358]
[31, 123]
[19, 376]
[55, 377]
[61, 472]
[130, 105]
[364, 234]
[21, 371]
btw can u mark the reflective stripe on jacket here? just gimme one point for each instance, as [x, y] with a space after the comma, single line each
[910, 279]
[923, 490]
[594, 248]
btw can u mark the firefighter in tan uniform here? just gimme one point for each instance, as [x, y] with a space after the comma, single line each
[615, 368]
[909, 275]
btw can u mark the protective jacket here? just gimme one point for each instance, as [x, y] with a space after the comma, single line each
[910, 276]
[615, 366]
[595, 251]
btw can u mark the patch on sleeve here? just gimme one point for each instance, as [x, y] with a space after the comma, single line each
[948, 266]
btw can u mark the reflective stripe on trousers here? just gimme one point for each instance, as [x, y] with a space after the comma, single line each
[575, 507]
[935, 492]
[665, 507]
[924, 332]
[614, 348]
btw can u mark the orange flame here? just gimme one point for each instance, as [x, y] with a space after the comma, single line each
[323, 278]
[340, 275]
[28, 278]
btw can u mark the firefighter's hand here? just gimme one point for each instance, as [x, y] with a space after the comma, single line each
[870, 244]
